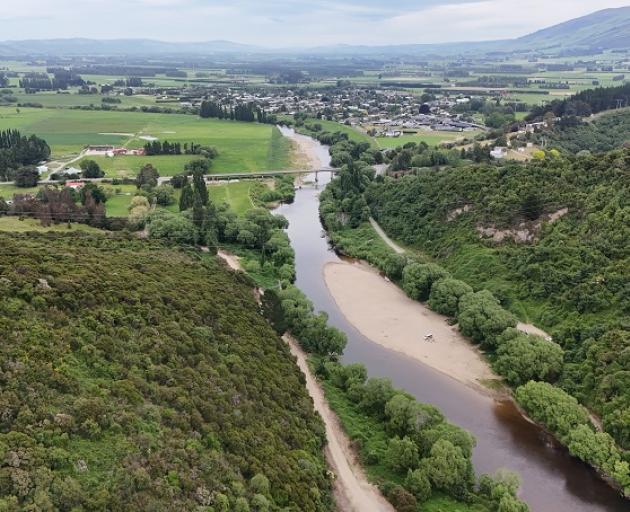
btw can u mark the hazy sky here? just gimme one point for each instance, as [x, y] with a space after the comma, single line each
[289, 22]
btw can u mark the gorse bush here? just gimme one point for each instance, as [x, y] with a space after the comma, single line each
[137, 377]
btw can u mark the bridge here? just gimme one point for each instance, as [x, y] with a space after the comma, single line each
[268, 174]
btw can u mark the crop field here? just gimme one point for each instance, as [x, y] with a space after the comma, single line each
[241, 146]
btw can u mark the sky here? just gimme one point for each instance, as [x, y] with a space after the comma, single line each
[289, 23]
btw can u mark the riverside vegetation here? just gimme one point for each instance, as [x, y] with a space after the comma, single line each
[560, 268]
[417, 456]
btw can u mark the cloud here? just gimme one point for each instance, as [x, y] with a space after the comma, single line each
[289, 23]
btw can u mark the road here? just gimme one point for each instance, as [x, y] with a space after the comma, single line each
[353, 492]
[214, 176]
[397, 248]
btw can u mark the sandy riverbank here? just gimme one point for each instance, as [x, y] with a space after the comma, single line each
[353, 492]
[384, 314]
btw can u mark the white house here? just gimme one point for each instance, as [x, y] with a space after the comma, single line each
[498, 153]
[42, 169]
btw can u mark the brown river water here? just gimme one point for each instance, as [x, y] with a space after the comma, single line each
[552, 480]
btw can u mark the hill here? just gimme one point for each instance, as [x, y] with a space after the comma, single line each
[120, 392]
[601, 30]
[606, 29]
[550, 239]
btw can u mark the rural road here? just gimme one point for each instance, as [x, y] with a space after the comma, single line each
[397, 248]
[353, 492]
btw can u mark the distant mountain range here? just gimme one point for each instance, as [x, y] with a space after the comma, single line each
[602, 30]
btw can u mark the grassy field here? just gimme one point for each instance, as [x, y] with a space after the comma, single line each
[54, 100]
[242, 146]
[23, 226]
[236, 194]
[431, 138]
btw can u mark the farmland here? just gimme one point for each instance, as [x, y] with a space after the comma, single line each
[241, 146]
[432, 138]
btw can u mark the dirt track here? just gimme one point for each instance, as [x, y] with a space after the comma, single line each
[353, 492]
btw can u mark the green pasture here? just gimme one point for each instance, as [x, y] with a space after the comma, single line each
[241, 146]
[236, 195]
[55, 100]
[431, 138]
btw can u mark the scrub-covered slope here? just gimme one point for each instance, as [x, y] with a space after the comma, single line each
[134, 377]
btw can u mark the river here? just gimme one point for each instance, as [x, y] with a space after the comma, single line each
[552, 480]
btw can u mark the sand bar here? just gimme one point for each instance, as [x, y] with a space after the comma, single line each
[384, 314]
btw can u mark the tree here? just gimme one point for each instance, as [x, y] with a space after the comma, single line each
[523, 357]
[200, 188]
[91, 169]
[138, 210]
[445, 295]
[26, 177]
[448, 469]
[376, 394]
[555, 408]
[165, 195]
[94, 191]
[259, 484]
[402, 454]
[186, 198]
[419, 277]
[482, 318]
[402, 500]
[417, 482]
[199, 165]
[173, 228]
[393, 266]
[147, 177]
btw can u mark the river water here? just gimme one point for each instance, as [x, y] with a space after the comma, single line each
[552, 480]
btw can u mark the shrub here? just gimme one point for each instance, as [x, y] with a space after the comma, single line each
[418, 278]
[523, 357]
[417, 482]
[483, 319]
[445, 295]
[401, 499]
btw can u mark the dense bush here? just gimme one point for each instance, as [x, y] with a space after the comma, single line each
[309, 328]
[523, 357]
[417, 279]
[570, 422]
[404, 441]
[445, 295]
[140, 378]
[482, 318]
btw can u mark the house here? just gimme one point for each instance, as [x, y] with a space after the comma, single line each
[42, 169]
[498, 152]
[75, 185]
[71, 171]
